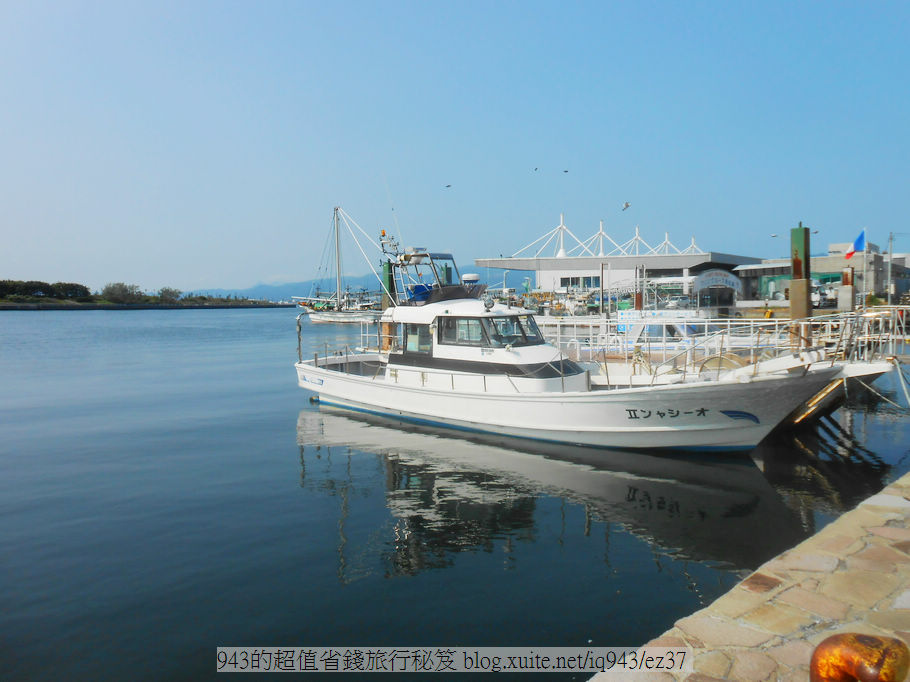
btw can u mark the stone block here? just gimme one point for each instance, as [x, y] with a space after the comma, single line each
[884, 500]
[759, 582]
[890, 620]
[793, 653]
[752, 665]
[713, 664]
[902, 601]
[779, 618]
[821, 563]
[891, 532]
[819, 604]
[862, 589]
[737, 602]
[715, 632]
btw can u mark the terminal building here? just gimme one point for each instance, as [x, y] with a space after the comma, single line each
[563, 263]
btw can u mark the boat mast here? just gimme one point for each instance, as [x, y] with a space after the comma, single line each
[337, 263]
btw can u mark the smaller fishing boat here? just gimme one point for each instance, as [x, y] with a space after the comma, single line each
[343, 306]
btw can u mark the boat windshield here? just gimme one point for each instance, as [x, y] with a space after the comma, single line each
[495, 332]
[514, 330]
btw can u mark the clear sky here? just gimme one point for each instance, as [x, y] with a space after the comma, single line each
[204, 144]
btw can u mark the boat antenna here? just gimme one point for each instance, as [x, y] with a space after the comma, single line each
[392, 205]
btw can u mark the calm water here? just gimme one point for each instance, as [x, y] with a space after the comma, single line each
[166, 488]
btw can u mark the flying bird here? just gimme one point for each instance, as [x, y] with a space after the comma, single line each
[626, 205]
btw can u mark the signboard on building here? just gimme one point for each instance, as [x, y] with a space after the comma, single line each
[718, 278]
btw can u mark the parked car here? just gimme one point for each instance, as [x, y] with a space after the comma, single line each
[678, 302]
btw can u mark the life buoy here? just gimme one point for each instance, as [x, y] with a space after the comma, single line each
[852, 657]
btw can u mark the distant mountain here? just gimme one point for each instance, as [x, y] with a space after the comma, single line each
[284, 292]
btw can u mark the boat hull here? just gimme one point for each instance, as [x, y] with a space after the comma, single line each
[344, 316]
[734, 415]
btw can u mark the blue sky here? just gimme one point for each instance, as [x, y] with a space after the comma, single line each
[204, 144]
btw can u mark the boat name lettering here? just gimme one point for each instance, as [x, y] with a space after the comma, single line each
[639, 413]
[643, 500]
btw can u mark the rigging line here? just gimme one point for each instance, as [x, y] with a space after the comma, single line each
[346, 217]
[322, 271]
[372, 269]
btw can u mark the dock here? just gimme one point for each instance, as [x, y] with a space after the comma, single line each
[853, 576]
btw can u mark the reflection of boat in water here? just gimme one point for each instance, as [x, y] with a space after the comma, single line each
[450, 494]
[823, 469]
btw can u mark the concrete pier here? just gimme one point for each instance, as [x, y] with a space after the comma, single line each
[852, 576]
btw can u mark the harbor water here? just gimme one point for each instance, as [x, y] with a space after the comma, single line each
[166, 488]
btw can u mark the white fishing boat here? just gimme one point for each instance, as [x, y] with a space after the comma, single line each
[343, 306]
[445, 356]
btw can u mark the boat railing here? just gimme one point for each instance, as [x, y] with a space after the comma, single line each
[866, 335]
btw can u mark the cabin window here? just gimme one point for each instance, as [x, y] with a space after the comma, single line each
[417, 338]
[496, 332]
[461, 331]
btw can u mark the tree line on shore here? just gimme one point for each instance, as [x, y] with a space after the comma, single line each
[17, 291]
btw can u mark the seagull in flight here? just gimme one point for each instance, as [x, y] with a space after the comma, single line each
[626, 205]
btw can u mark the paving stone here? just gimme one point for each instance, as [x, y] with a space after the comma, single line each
[891, 532]
[759, 582]
[902, 601]
[810, 584]
[858, 520]
[793, 653]
[889, 620]
[839, 544]
[829, 608]
[887, 501]
[854, 564]
[820, 563]
[752, 665]
[718, 632]
[779, 618]
[712, 663]
[859, 588]
[884, 554]
[699, 677]
[737, 602]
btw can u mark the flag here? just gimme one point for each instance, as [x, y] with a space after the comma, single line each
[859, 244]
